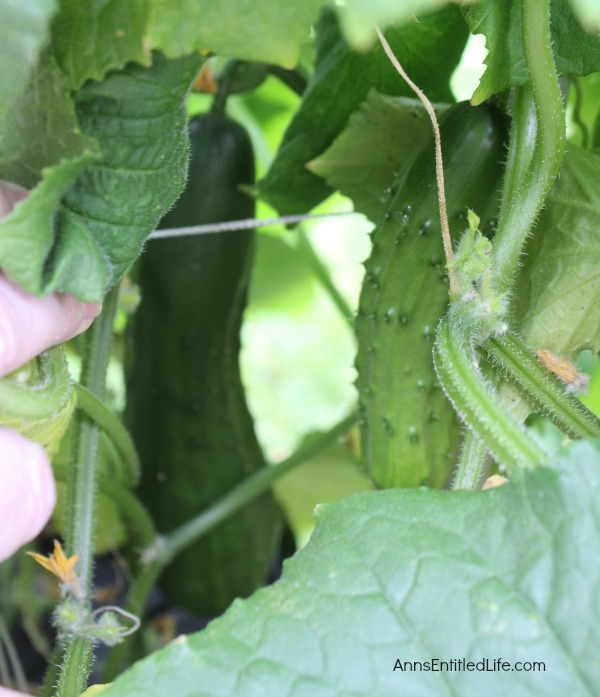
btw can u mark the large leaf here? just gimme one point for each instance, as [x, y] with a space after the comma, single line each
[39, 128]
[23, 31]
[557, 299]
[576, 52]
[91, 38]
[365, 159]
[511, 573]
[342, 80]
[269, 30]
[82, 238]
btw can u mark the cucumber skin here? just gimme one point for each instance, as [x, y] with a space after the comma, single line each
[409, 432]
[186, 405]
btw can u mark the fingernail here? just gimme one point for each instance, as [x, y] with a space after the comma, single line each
[89, 312]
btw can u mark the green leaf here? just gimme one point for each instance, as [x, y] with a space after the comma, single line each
[23, 31]
[575, 51]
[39, 129]
[379, 140]
[557, 298]
[268, 31]
[359, 17]
[91, 38]
[84, 224]
[341, 82]
[413, 576]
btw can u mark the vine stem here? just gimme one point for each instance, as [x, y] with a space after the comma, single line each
[470, 464]
[474, 398]
[77, 653]
[164, 549]
[536, 146]
[439, 163]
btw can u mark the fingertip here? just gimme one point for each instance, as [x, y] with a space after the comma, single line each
[10, 195]
[28, 492]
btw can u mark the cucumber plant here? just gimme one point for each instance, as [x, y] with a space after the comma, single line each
[450, 327]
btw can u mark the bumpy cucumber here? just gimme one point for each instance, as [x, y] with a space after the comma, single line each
[409, 433]
[186, 406]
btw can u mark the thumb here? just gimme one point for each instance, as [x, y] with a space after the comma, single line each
[27, 493]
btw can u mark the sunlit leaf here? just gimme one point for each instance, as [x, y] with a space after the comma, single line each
[341, 82]
[269, 30]
[576, 52]
[23, 31]
[381, 137]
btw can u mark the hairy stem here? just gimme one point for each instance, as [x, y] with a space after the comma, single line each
[470, 464]
[542, 390]
[474, 398]
[81, 491]
[531, 168]
[104, 419]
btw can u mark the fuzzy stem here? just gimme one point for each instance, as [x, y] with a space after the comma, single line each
[81, 491]
[540, 388]
[104, 419]
[474, 398]
[531, 170]
[470, 464]
[75, 669]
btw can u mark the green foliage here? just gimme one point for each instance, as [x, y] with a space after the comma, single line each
[89, 39]
[23, 31]
[358, 17]
[576, 52]
[341, 81]
[92, 119]
[397, 575]
[268, 31]
[557, 299]
[64, 235]
[381, 137]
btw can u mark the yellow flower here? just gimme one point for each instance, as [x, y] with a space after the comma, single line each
[58, 564]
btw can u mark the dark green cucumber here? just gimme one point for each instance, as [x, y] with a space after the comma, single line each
[186, 406]
[409, 433]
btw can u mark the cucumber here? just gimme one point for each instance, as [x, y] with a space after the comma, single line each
[409, 432]
[185, 400]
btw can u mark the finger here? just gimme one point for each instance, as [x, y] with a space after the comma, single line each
[27, 492]
[29, 325]
[10, 195]
[5, 692]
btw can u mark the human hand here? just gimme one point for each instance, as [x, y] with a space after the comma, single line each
[28, 326]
